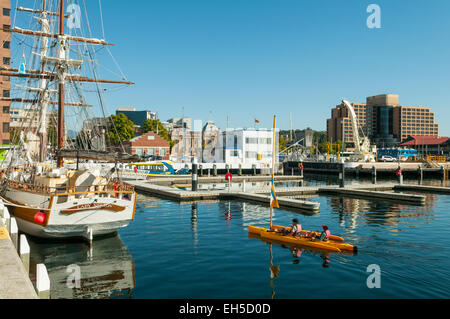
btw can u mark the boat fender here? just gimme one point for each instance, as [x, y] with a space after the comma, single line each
[39, 217]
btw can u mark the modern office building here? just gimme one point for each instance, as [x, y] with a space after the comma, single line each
[137, 117]
[383, 120]
[5, 52]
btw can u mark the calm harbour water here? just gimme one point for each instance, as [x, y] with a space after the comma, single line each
[181, 250]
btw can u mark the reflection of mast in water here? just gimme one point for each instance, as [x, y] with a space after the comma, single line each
[351, 215]
[194, 222]
[274, 271]
[228, 212]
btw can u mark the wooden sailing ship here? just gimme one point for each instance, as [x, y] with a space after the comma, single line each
[47, 198]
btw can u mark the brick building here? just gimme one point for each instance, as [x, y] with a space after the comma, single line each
[148, 144]
[383, 120]
[5, 60]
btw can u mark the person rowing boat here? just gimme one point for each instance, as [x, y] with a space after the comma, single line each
[324, 235]
[295, 229]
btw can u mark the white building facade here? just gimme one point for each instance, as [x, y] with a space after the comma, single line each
[246, 147]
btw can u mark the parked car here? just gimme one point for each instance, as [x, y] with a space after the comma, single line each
[387, 158]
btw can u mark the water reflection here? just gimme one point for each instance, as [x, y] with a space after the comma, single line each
[274, 271]
[353, 212]
[194, 218]
[106, 269]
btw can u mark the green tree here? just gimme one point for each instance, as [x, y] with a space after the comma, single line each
[120, 128]
[325, 147]
[282, 143]
[156, 127]
[340, 146]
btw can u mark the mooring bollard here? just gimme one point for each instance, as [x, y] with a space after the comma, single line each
[420, 174]
[14, 233]
[342, 175]
[24, 252]
[42, 282]
[399, 174]
[374, 174]
[194, 175]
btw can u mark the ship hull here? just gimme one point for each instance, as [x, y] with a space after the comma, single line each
[70, 231]
[77, 218]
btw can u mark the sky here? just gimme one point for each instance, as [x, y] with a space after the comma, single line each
[247, 59]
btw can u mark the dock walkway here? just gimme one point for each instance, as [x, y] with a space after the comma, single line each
[14, 280]
[262, 195]
[185, 195]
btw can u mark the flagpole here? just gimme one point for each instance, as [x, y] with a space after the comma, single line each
[273, 163]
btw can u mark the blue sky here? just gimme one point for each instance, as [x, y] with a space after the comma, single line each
[255, 58]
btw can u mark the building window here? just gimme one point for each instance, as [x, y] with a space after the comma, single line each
[162, 151]
[6, 60]
[6, 109]
[5, 142]
[6, 93]
[5, 127]
[6, 44]
[6, 12]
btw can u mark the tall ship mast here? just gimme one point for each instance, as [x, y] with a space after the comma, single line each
[47, 193]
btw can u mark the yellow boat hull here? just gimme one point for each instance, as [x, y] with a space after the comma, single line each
[335, 246]
[257, 230]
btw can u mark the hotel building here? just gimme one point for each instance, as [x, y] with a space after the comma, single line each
[383, 120]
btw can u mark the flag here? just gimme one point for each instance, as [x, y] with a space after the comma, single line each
[23, 65]
[256, 121]
[273, 197]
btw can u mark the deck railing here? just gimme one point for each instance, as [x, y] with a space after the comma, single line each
[72, 190]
